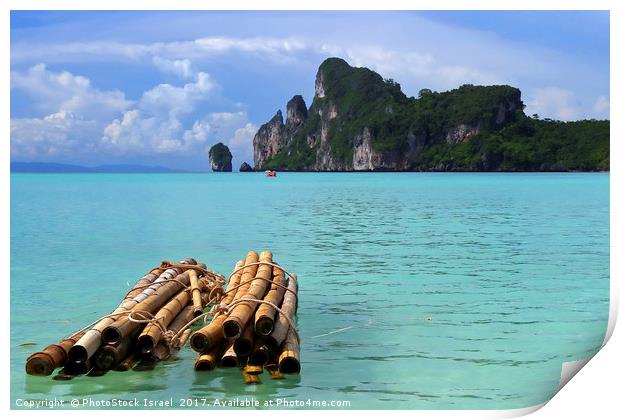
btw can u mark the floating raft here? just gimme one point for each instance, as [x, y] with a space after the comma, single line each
[245, 322]
[253, 324]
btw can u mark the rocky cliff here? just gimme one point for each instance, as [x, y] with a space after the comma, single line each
[359, 121]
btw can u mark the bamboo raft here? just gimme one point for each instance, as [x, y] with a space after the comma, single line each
[253, 325]
[246, 322]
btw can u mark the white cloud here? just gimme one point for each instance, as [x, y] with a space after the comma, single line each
[61, 133]
[413, 68]
[154, 124]
[176, 100]
[200, 48]
[65, 91]
[181, 68]
[85, 120]
[241, 143]
[601, 107]
[563, 104]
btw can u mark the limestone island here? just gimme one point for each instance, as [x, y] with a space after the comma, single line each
[359, 121]
[220, 158]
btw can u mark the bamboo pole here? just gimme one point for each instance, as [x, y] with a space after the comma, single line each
[152, 333]
[129, 361]
[260, 354]
[288, 360]
[289, 308]
[247, 275]
[43, 363]
[162, 351]
[90, 342]
[209, 335]
[207, 361]
[241, 313]
[244, 344]
[229, 359]
[110, 355]
[265, 314]
[74, 369]
[196, 299]
[124, 326]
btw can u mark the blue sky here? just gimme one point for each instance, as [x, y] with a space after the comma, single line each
[160, 88]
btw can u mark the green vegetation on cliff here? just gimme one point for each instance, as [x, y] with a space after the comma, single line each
[469, 128]
[220, 158]
[527, 145]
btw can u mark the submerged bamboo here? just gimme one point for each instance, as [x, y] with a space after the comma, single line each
[265, 314]
[129, 361]
[241, 313]
[288, 360]
[196, 298]
[289, 307]
[123, 327]
[152, 333]
[43, 363]
[209, 335]
[90, 342]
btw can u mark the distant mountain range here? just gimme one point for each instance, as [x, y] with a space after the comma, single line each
[50, 167]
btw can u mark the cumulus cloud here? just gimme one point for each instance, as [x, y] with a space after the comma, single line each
[64, 91]
[181, 68]
[86, 120]
[166, 99]
[240, 143]
[154, 125]
[57, 134]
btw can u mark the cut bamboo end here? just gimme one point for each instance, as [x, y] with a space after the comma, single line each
[230, 358]
[264, 326]
[232, 328]
[112, 334]
[43, 363]
[288, 362]
[243, 345]
[146, 344]
[78, 354]
[209, 336]
[40, 364]
[260, 355]
[205, 362]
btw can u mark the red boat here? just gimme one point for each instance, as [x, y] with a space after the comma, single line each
[270, 173]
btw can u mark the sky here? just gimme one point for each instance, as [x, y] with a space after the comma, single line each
[160, 88]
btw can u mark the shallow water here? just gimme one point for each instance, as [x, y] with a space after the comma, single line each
[513, 269]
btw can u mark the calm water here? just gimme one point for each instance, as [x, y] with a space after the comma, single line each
[512, 268]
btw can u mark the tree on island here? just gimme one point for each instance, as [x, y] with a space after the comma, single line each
[220, 158]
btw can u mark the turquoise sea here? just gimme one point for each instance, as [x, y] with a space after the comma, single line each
[513, 269]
